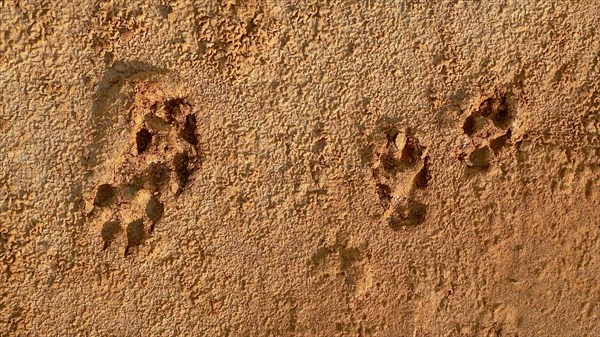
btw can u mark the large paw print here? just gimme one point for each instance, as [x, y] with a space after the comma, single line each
[401, 170]
[489, 130]
[157, 162]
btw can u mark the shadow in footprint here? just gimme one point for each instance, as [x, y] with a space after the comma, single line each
[422, 177]
[110, 229]
[181, 164]
[135, 235]
[189, 130]
[105, 195]
[499, 143]
[143, 138]
[154, 210]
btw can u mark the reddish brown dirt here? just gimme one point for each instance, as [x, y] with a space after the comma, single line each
[284, 168]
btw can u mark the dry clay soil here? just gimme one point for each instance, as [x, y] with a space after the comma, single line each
[299, 168]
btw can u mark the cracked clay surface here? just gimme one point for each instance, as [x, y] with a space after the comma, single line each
[299, 168]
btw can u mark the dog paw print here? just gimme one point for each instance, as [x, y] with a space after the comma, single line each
[489, 130]
[401, 170]
[156, 164]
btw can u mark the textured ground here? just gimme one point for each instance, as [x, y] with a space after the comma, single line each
[294, 168]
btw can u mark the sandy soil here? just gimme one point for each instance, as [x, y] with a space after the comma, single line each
[299, 168]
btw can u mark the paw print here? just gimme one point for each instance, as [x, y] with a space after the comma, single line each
[402, 169]
[489, 130]
[157, 163]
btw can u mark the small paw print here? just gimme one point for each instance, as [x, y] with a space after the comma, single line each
[489, 128]
[401, 169]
